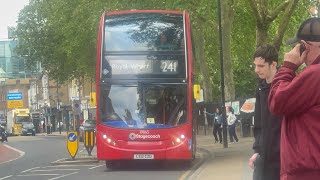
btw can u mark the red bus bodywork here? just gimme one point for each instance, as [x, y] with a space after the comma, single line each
[175, 143]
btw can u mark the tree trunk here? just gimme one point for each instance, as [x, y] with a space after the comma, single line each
[227, 20]
[266, 16]
[201, 60]
[262, 33]
[284, 23]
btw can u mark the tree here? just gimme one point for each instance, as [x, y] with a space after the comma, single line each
[265, 17]
[227, 20]
[62, 36]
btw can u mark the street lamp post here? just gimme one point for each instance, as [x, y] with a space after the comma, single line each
[225, 140]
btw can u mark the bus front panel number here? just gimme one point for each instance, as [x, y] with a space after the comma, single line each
[169, 66]
[143, 156]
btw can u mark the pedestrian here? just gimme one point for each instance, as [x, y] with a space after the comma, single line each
[266, 158]
[44, 126]
[217, 125]
[232, 119]
[297, 98]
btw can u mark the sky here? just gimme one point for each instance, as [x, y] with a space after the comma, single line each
[9, 11]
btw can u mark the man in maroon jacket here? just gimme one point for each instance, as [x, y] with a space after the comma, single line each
[297, 98]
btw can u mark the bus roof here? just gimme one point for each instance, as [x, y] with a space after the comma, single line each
[143, 11]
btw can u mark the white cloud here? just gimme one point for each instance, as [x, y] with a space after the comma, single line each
[9, 11]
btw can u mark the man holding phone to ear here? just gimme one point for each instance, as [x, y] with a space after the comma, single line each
[297, 98]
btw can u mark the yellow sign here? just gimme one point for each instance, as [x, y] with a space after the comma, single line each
[12, 104]
[196, 91]
[150, 121]
[92, 99]
[72, 143]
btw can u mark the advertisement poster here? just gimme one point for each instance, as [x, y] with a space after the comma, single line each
[235, 106]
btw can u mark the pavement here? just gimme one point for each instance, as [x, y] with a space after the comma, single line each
[213, 160]
[230, 163]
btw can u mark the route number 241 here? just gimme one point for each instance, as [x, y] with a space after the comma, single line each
[169, 66]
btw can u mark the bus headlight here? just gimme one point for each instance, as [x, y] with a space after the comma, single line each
[109, 140]
[178, 140]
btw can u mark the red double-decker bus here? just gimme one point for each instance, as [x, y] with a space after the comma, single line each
[144, 86]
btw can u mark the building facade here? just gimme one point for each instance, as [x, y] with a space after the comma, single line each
[11, 65]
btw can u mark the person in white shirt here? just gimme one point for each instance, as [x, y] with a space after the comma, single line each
[231, 119]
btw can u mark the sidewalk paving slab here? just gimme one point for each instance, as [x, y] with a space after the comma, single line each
[225, 163]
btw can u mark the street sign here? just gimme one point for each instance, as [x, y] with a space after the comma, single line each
[76, 107]
[14, 100]
[201, 97]
[14, 96]
[11, 104]
[72, 143]
[89, 139]
[93, 100]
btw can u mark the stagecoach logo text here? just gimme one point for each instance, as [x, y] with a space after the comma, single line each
[134, 136]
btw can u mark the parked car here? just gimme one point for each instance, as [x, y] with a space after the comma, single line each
[86, 126]
[28, 129]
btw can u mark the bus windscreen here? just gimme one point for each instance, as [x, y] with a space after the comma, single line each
[143, 106]
[22, 119]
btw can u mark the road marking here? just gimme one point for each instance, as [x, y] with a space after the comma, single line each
[63, 176]
[6, 177]
[69, 165]
[44, 170]
[82, 150]
[14, 149]
[58, 160]
[39, 175]
[97, 166]
[29, 169]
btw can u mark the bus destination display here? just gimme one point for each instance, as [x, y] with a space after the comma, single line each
[144, 67]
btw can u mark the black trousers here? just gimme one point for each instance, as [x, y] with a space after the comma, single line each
[265, 171]
[217, 130]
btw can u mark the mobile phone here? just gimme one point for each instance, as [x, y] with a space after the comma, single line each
[302, 48]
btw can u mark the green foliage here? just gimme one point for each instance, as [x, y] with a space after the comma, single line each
[62, 35]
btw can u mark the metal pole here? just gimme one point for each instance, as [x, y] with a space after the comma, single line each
[205, 121]
[58, 107]
[46, 119]
[225, 140]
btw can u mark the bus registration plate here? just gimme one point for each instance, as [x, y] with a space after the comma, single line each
[143, 156]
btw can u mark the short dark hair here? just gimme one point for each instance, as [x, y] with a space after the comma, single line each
[267, 52]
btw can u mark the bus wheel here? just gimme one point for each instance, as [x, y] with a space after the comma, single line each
[111, 165]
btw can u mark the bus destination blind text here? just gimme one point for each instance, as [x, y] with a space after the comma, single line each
[144, 67]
